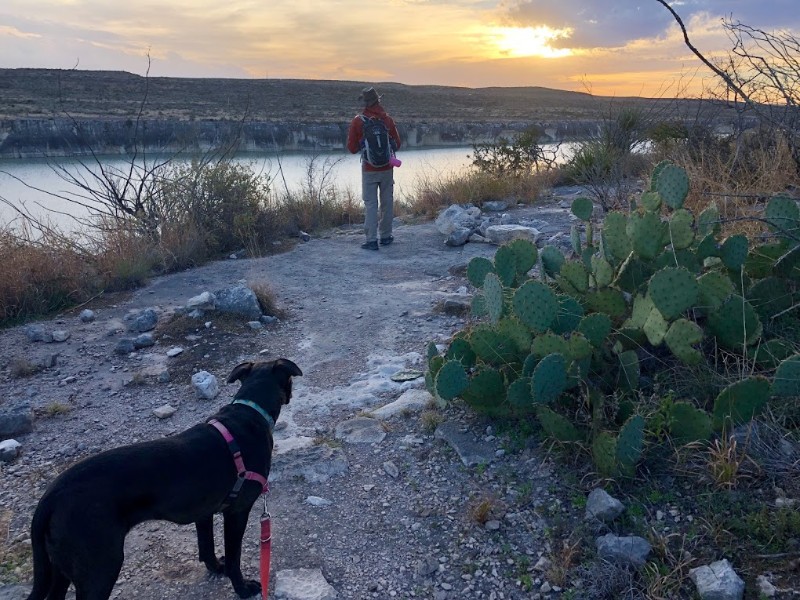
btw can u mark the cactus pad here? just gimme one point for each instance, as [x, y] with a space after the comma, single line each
[761, 260]
[519, 394]
[526, 255]
[536, 305]
[616, 242]
[608, 301]
[715, 288]
[505, 265]
[579, 347]
[582, 208]
[451, 380]
[673, 291]
[656, 172]
[629, 370]
[492, 346]
[655, 327]
[651, 201]
[477, 269]
[647, 233]
[688, 424]
[575, 240]
[575, 276]
[602, 271]
[493, 295]
[707, 247]
[673, 185]
[681, 336]
[708, 221]
[552, 259]
[788, 265]
[486, 390]
[770, 297]
[595, 328]
[734, 252]
[516, 333]
[556, 426]
[783, 215]
[461, 351]
[570, 313]
[431, 351]
[549, 379]
[735, 323]
[680, 229]
[630, 442]
[477, 306]
[604, 454]
[787, 378]
[549, 343]
[740, 402]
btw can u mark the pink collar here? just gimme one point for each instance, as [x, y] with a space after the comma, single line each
[243, 473]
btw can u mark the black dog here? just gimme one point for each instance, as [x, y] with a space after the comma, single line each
[79, 526]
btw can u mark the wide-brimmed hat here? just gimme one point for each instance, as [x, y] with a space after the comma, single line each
[369, 96]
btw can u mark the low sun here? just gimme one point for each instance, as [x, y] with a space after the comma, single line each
[515, 42]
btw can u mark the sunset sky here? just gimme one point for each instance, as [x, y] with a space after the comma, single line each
[619, 47]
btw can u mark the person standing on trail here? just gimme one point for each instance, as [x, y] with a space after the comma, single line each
[374, 134]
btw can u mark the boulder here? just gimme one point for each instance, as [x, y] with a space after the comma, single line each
[501, 234]
[205, 385]
[239, 300]
[717, 581]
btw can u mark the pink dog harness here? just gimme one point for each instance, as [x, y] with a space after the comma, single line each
[242, 473]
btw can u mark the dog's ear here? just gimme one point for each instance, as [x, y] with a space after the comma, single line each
[284, 364]
[240, 371]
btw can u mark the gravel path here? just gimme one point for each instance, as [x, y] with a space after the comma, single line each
[402, 517]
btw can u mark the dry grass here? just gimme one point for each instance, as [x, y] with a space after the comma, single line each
[485, 508]
[20, 367]
[430, 420]
[15, 556]
[267, 299]
[55, 409]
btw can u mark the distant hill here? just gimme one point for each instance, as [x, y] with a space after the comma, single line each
[46, 93]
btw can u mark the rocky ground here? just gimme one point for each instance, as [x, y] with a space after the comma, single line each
[370, 498]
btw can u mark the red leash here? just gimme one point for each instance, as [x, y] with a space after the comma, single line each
[266, 547]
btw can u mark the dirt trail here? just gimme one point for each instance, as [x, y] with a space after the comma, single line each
[352, 318]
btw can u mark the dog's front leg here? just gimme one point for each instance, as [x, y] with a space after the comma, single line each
[235, 524]
[205, 546]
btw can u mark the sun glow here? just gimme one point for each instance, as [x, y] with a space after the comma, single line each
[515, 42]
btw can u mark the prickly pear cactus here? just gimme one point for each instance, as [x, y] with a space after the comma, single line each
[646, 233]
[486, 390]
[656, 172]
[493, 295]
[570, 313]
[715, 288]
[735, 323]
[525, 254]
[519, 394]
[573, 278]
[451, 380]
[492, 346]
[616, 243]
[477, 269]
[557, 427]
[549, 343]
[461, 350]
[688, 424]
[681, 233]
[734, 252]
[595, 328]
[552, 260]
[651, 201]
[673, 186]
[536, 305]
[673, 291]
[604, 454]
[787, 378]
[608, 301]
[549, 379]
[629, 370]
[505, 265]
[783, 215]
[655, 327]
[708, 221]
[680, 338]
[582, 208]
[630, 443]
[740, 402]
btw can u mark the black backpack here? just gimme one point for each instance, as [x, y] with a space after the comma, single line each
[377, 145]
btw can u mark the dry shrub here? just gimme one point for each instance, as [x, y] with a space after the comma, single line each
[20, 367]
[739, 181]
[433, 193]
[267, 299]
[43, 274]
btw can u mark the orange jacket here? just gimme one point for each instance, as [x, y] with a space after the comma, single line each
[356, 133]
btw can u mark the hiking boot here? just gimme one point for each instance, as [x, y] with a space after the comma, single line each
[373, 245]
[387, 240]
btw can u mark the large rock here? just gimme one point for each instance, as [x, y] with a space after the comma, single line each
[9, 450]
[204, 301]
[38, 333]
[603, 507]
[238, 300]
[631, 550]
[501, 234]
[205, 385]
[315, 464]
[141, 321]
[361, 430]
[303, 584]
[16, 420]
[717, 581]
[457, 217]
[472, 452]
[410, 401]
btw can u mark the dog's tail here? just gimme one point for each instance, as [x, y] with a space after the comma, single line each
[42, 566]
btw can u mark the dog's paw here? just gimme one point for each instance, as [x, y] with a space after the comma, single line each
[217, 567]
[248, 589]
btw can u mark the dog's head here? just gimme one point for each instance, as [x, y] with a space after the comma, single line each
[268, 383]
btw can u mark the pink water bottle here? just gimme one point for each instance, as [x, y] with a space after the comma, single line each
[394, 161]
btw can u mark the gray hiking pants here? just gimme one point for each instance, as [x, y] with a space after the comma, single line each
[373, 182]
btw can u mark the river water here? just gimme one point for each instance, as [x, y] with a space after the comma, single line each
[36, 184]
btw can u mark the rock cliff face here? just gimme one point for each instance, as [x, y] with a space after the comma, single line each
[21, 138]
